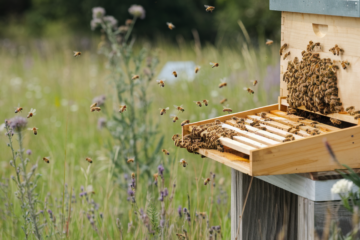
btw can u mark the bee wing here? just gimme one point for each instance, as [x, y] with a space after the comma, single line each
[181, 105]
[206, 6]
[195, 101]
[172, 115]
[176, 106]
[158, 81]
[212, 64]
[30, 129]
[245, 88]
[222, 80]
[168, 23]
[167, 108]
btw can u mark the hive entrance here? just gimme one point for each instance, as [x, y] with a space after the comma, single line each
[320, 29]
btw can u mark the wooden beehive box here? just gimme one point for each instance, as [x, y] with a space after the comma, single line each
[259, 152]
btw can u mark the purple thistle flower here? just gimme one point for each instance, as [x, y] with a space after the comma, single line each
[133, 183]
[98, 12]
[161, 170]
[111, 21]
[161, 198]
[156, 182]
[18, 123]
[130, 192]
[137, 11]
[185, 210]
[180, 211]
[100, 100]
[28, 152]
[101, 123]
[166, 192]
[94, 23]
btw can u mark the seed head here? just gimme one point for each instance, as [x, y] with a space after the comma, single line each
[98, 12]
[137, 11]
[28, 152]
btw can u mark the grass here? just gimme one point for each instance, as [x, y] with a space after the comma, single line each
[42, 74]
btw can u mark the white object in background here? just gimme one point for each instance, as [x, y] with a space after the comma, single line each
[184, 70]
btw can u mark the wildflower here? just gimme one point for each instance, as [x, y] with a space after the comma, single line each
[110, 20]
[98, 12]
[188, 218]
[166, 192]
[137, 11]
[101, 123]
[185, 210]
[9, 133]
[161, 198]
[179, 211]
[100, 100]
[123, 29]
[342, 186]
[28, 152]
[50, 213]
[130, 192]
[161, 170]
[18, 123]
[129, 226]
[95, 23]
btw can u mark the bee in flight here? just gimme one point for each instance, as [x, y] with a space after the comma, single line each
[249, 90]
[175, 73]
[166, 152]
[135, 77]
[209, 8]
[179, 108]
[198, 103]
[156, 175]
[122, 108]
[254, 82]
[185, 122]
[46, 159]
[163, 110]
[130, 160]
[170, 25]
[161, 83]
[223, 101]
[19, 109]
[34, 130]
[183, 162]
[175, 136]
[206, 102]
[174, 117]
[31, 113]
[228, 110]
[214, 64]
[88, 160]
[93, 105]
[223, 83]
[269, 42]
[77, 54]
[206, 181]
[93, 109]
[197, 69]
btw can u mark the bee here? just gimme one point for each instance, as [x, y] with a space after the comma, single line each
[228, 110]
[76, 53]
[197, 69]
[19, 109]
[249, 90]
[133, 175]
[89, 160]
[183, 162]
[206, 102]
[335, 121]
[283, 47]
[93, 105]
[286, 55]
[198, 103]
[206, 181]
[223, 83]
[357, 117]
[175, 73]
[122, 108]
[161, 83]
[46, 159]
[31, 113]
[185, 122]
[135, 77]
[180, 236]
[214, 64]
[170, 25]
[349, 108]
[209, 8]
[291, 111]
[166, 152]
[254, 82]
[223, 101]
[175, 136]
[34, 130]
[344, 64]
[269, 42]
[174, 117]
[163, 110]
[179, 108]
[338, 50]
[156, 175]
[93, 109]
[263, 115]
[130, 160]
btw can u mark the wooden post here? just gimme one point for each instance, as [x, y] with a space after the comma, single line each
[237, 201]
[305, 219]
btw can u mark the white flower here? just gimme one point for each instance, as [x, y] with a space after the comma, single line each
[98, 12]
[342, 186]
[137, 11]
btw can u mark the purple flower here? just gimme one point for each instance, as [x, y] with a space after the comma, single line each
[100, 100]
[98, 12]
[82, 188]
[50, 213]
[161, 198]
[130, 192]
[133, 183]
[166, 192]
[101, 123]
[162, 223]
[185, 210]
[28, 152]
[161, 170]
[110, 20]
[137, 11]
[18, 123]
[126, 177]
[188, 218]
[180, 211]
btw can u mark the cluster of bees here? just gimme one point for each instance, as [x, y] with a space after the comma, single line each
[312, 82]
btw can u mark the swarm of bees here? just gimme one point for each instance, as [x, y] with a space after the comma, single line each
[122, 108]
[130, 160]
[213, 64]
[166, 152]
[31, 113]
[46, 159]
[163, 110]
[19, 109]
[174, 117]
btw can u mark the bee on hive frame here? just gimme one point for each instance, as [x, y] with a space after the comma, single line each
[34, 130]
[179, 108]
[46, 159]
[161, 83]
[249, 90]
[185, 122]
[357, 117]
[197, 69]
[344, 64]
[31, 113]
[213, 64]
[269, 42]
[135, 77]
[335, 121]
[175, 136]
[198, 103]
[209, 8]
[163, 110]
[130, 160]
[88, 160]
[183, 162]
[174, 117]
[174, 73]
[223, 83]
[286, 55]
[166, 152]
[283, 47]
[76, 53]
[170, 25]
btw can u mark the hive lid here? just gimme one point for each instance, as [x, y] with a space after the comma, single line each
[342, 8]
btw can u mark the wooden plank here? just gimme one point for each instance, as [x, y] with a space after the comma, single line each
[228, 159]
[306, 217]
[277, 131]
[237, 202]
[249, 142]
[308, 155]
[240, 147]
[270, 123]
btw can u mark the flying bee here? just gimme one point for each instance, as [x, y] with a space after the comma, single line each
[135, 77]
[228, 110]
[183, 162]
[206, 102]
[161, 83]
[93, 105]
[254, 82]
[130, 160]
[163, 110]
[156, 175]
[19, 109]
[133, 175]
[335, 121]
[223, 101]
[198, 103]
[269, 42]
[76, 53]
[209, 8]
[197, 69]
[170, 25]
[214, 64]
[344, 64]
[286, 55]
[34, 130]
[31, 113]
[166, 152]
[185, 122]
[175, 136]
[174, 117]
[206, 181]
[46, 159]
[174, 73]
[122, 108]
[249, 90]
[179, 108]
[89, 160]
[93, 109]
[223, 83]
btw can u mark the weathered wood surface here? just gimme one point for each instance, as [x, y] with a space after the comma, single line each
[305, 217]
